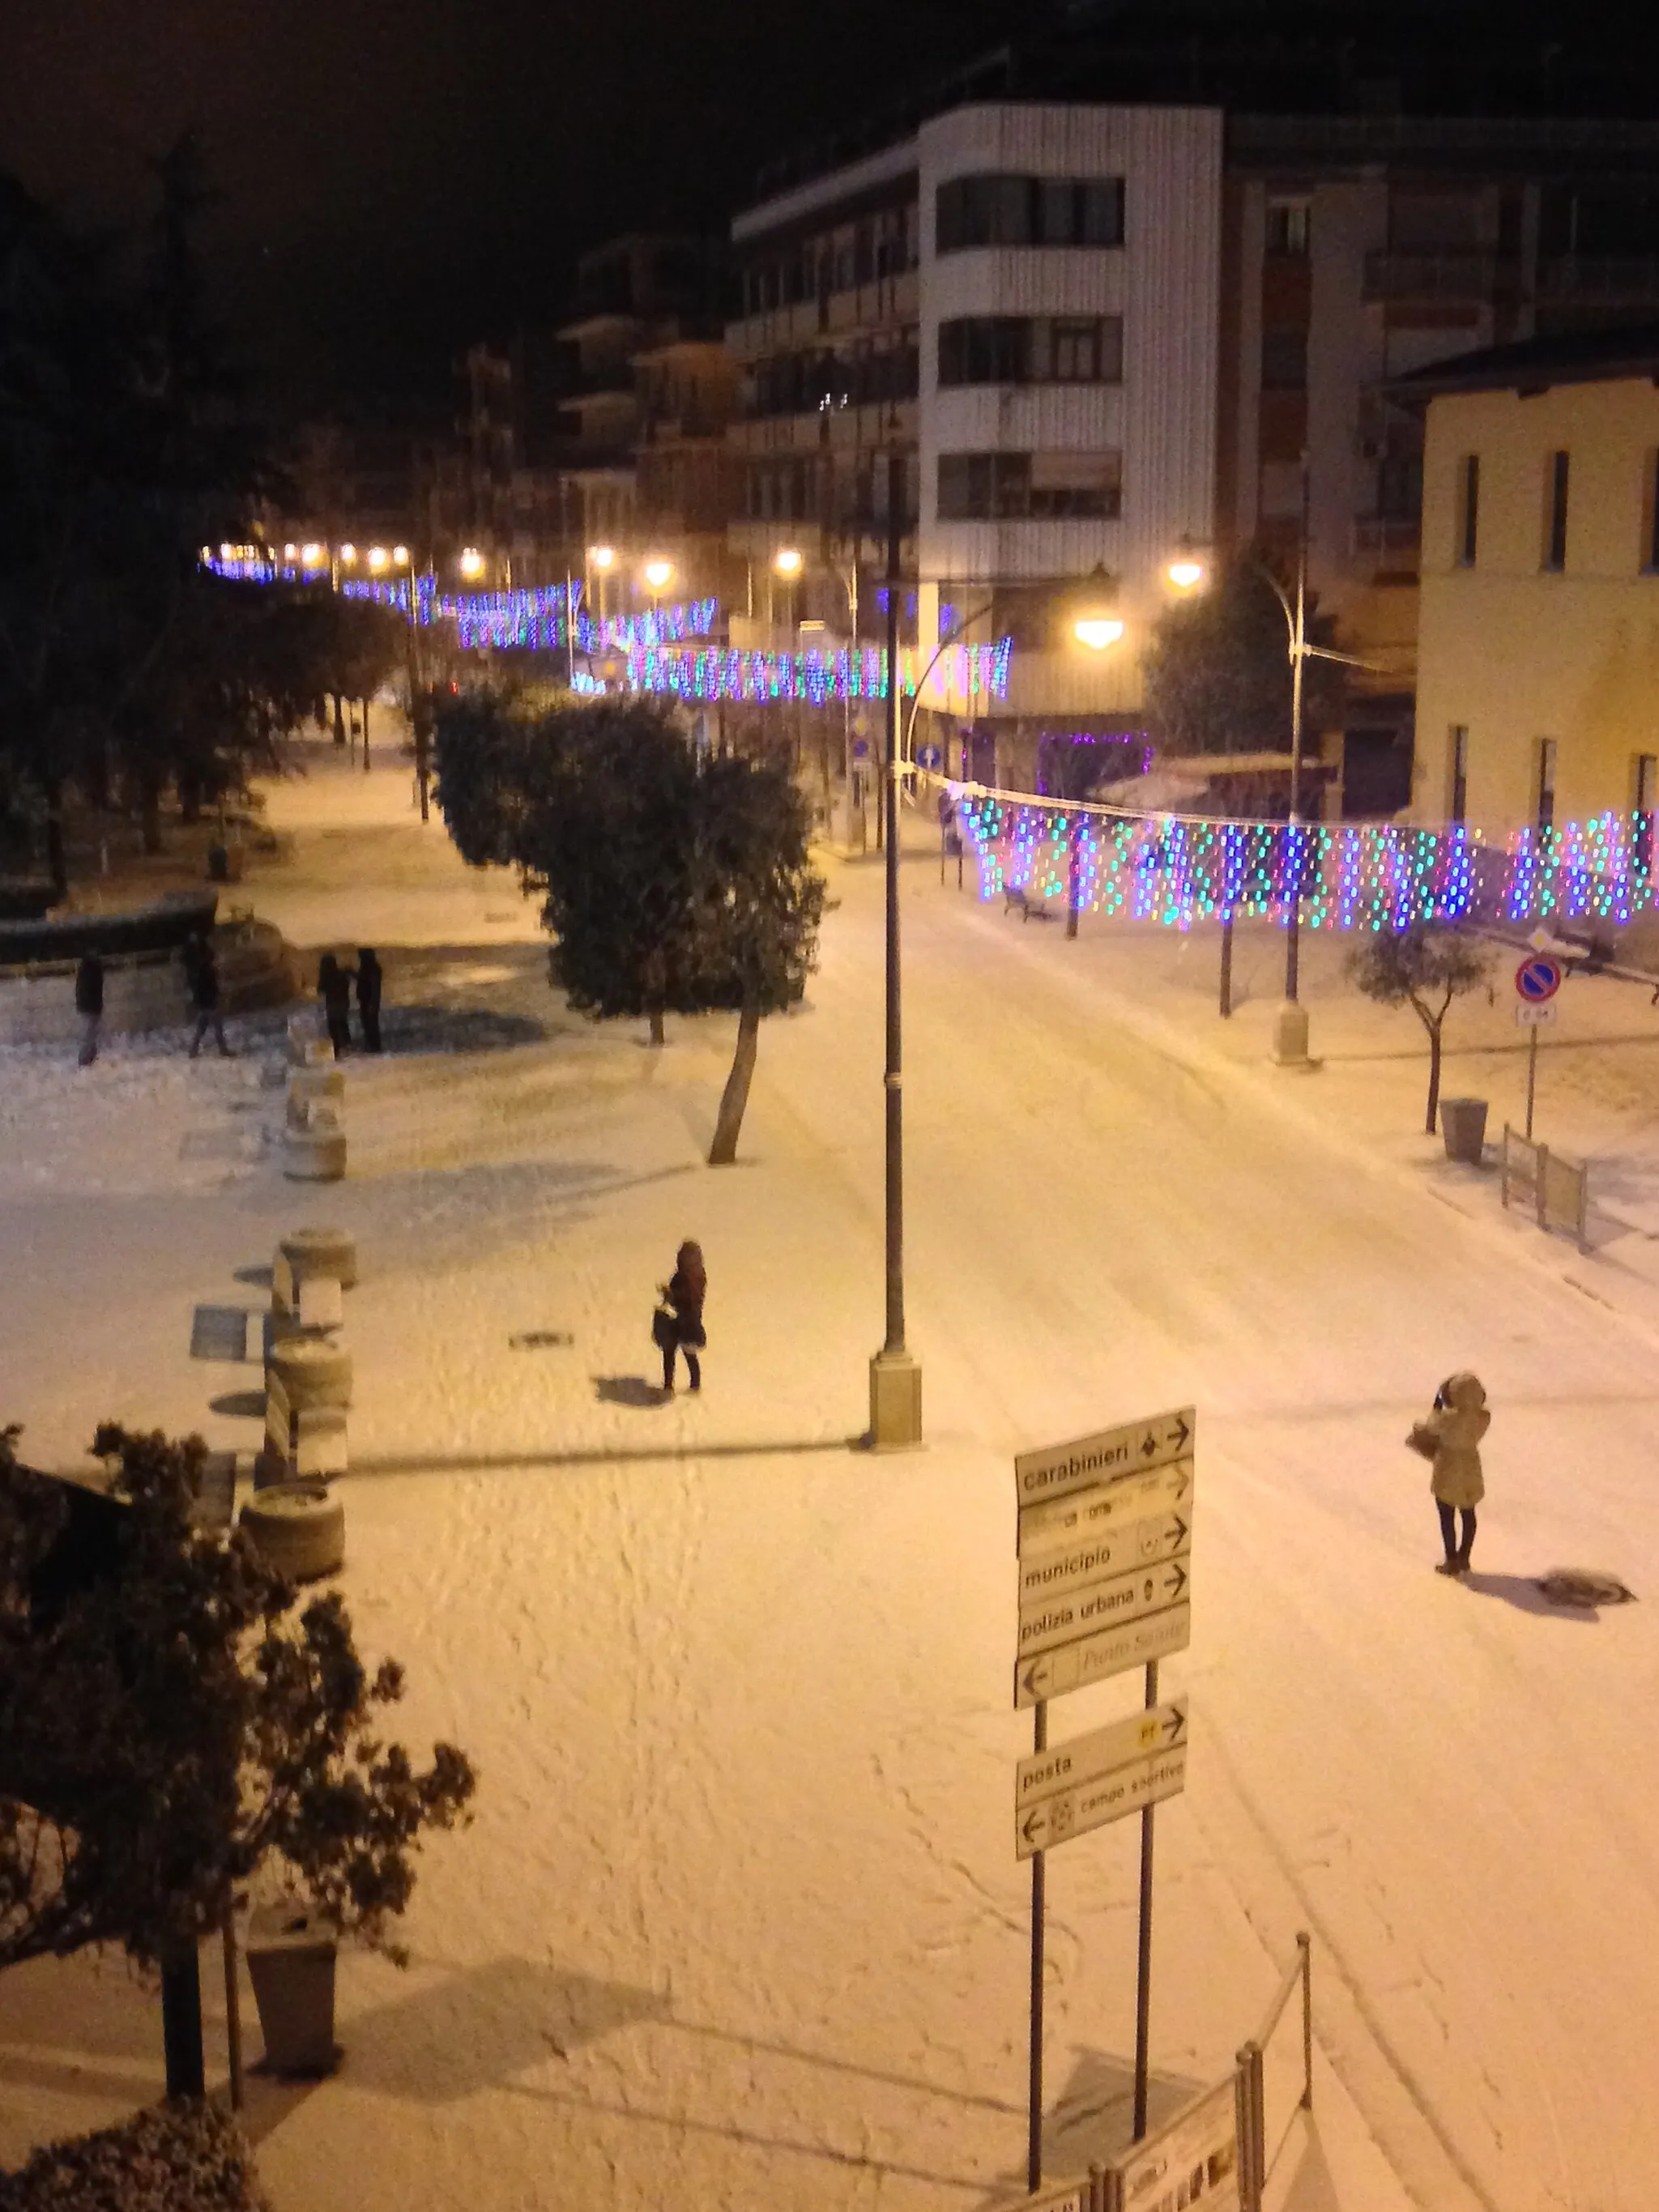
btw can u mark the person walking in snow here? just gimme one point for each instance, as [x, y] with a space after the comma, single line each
[678, 1323]
[368, 997]
[1451, 1438]
[334, 989]
[89, 1005]
[202, 975]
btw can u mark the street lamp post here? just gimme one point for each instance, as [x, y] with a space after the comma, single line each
[895, 1371]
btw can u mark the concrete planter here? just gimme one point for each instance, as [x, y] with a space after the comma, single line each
[313, 1370]
[321, 1252]
[297, 1528]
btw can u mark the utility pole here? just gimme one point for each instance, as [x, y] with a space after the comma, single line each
[894, 1373]
[1290, 1023]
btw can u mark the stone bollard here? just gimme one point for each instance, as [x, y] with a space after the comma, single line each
[316, 1152]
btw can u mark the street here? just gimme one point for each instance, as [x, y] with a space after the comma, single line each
[741, 1902]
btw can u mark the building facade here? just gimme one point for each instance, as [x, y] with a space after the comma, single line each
[1537, 695]
[1096, 329]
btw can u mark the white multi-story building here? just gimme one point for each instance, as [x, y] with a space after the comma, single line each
[1022, 300]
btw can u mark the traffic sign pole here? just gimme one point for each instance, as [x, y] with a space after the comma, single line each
[1531, 1076]
[1144, 1950]
[1034, 2138]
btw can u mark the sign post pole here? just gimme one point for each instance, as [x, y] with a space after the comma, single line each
[1532, 1075]
[1144, 1951]
[1034, 2139]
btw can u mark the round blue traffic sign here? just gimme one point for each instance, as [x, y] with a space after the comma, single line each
[1537, 980]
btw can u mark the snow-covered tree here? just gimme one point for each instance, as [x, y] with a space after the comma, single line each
[1425, 969]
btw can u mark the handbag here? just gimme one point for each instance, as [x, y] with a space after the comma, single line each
[1422, 1439]
[664, 1329]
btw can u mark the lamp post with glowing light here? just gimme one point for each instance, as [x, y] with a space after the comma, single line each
[1098, 630]
[601, 559]
[789, 562]
[659, 575]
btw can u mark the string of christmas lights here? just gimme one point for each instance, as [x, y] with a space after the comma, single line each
[761, 678]
[1181, 870]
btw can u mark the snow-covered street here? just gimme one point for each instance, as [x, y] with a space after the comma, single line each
[739, 1920]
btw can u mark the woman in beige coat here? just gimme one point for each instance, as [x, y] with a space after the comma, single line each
[1456, 1425]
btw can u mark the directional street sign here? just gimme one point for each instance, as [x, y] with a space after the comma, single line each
[1138, 1447]
[1528, 1016]
[1113, 1551]
[1066, 1767]
[1092, 1805]
[1538, 979]
[1095, 1658]
[1194, 2160]
[1086, 1512]
[1046, 1621]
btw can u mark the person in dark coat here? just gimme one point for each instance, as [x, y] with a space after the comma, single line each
[202, 975]
[334, 989]
[89, 1005]
[368, 997]
[684, 1295]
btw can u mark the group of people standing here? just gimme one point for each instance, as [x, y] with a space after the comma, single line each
[334, 986]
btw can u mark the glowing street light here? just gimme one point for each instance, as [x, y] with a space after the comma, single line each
[603, 556]
[377, 557]
[311, 555]
[472, 562]
[400, 556]
[1098, 631]
[788, 561]
[348, 555]
[659, 575]
[289, 552]
[1185, 572]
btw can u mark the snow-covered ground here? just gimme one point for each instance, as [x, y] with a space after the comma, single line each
[739, 1919]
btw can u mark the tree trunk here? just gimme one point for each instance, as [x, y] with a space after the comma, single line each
[1073, 880]
[181, 2024]
[735, 1097]
[659, 1036]
[339, 720]
[365, 707]
[150, 814]
[1433, 1114]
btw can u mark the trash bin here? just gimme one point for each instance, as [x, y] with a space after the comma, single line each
[291, 1958]
[1463, 1126]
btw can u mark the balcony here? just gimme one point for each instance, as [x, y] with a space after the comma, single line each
[1392, 540]
[1453, 275]
[1599, 280]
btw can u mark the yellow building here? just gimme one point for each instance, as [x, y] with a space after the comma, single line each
[1538, 646]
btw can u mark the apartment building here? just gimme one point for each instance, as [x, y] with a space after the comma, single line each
[1537, 695]
[1098, 320]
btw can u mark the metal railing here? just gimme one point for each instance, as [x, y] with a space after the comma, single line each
[1471, 273]
[1227, 2138]
[1554, 1187]
[1275, 2059]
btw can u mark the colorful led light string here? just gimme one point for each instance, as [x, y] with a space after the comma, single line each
[760, 678]
[1180, 869]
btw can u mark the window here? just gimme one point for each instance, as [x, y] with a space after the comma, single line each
[1030, 349]
[1287, 225]
[1019, 487]
[1284, 360]
[1545, 789]
[1014, 210]
[1469, 509]
[1555, 512]
[1459, 808]
[1650, 515]
[1400, 486]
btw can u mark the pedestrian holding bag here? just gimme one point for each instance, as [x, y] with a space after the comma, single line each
[1422, 1439]
[664, 1328]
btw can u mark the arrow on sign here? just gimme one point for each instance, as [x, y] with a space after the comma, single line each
[1171, 1444]
[1065, 1615]
[1094, 1658]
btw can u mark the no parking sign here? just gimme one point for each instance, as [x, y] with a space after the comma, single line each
[1538, 980]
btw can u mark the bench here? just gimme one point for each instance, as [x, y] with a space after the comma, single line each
[1014, 901]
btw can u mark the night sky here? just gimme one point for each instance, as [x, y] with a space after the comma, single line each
[401, 176]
